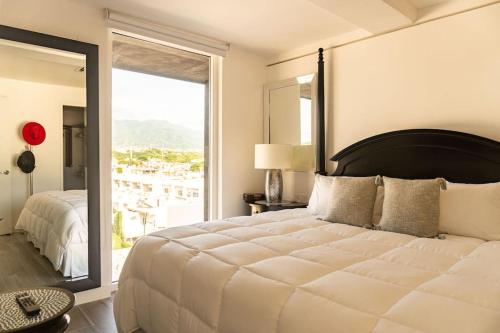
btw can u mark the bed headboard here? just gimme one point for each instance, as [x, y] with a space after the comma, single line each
[423, 153]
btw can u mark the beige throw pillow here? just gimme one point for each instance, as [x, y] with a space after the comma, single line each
[352, 200]
[411, 206]
[471, 210]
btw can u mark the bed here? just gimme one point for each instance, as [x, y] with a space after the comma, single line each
[289, 272]
[56, 222]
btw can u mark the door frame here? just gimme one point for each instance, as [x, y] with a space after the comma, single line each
[6, 230]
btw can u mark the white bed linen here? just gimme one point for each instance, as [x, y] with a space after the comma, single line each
[288, 272]
[57, 223]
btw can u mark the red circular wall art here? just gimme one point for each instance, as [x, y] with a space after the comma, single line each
[33, 133]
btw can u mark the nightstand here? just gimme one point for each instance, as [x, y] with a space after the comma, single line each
[261, 206]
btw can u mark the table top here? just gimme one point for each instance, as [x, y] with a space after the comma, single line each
[288, 204]
[54, 302]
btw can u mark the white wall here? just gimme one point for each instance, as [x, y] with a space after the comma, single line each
[243, 75]
[443, 74]
[42, 103]
[243, 78]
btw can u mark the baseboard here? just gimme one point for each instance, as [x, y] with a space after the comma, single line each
[93, 294]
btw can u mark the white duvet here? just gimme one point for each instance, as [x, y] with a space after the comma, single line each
[56, 223]
[288, 272]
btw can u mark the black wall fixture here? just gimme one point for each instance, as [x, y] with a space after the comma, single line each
[91, 53]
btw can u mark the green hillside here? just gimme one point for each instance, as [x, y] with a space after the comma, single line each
[142, 134]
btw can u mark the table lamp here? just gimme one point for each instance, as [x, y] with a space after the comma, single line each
[273, 158]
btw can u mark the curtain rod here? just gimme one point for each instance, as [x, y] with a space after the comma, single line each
[385, 32]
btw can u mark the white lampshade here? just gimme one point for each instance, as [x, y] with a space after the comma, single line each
[273, 156]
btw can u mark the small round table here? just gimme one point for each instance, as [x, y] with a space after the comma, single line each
[54, 305]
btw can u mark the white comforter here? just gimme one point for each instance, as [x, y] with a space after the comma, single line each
[56, 223]
[288, 272]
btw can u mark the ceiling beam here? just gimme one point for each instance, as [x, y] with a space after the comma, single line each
[374, 16]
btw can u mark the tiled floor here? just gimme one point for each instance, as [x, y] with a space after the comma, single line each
[94, 317]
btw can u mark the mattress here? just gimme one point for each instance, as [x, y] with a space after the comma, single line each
[289, 272]
[57, 223]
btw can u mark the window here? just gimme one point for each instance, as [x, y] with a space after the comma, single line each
[160, 140]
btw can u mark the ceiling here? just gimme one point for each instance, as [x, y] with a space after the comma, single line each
[426, 3]
[273, 27]
[266, 27]
[26, 62]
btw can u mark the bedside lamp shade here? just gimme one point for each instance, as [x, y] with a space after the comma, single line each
[273, 156]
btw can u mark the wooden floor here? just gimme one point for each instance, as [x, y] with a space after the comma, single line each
[22, 266]
[94, 317]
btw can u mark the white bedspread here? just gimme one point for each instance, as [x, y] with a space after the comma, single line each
[56, 223]
[288, 272]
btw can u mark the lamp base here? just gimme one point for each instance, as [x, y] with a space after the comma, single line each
[274, 185]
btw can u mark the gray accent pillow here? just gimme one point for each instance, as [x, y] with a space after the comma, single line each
[411, 206]
[352, 200]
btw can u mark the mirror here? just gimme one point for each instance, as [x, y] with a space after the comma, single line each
[47, 165]
[289, 118]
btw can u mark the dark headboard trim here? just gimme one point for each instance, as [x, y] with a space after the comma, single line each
[423, 153]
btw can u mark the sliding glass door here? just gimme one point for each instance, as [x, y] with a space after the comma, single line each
[160, 140]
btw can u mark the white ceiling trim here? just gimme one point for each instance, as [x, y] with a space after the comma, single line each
[371, 15]
[141, 27]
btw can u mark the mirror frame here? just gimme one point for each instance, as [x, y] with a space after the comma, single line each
[318, 87]
[91, 52]
[283, 84]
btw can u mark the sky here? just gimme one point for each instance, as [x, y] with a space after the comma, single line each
[138, 96]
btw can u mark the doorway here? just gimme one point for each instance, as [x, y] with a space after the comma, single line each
[6, 223]
[74, 148]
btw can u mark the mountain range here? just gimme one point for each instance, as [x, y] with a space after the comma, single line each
[143, 134]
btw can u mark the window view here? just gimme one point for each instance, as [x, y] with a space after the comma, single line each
[159, 150]
[305, 121]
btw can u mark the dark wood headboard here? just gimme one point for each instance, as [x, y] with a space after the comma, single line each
[423, 153]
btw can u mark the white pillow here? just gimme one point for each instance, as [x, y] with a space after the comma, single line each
[318, 202]
[471, 210]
